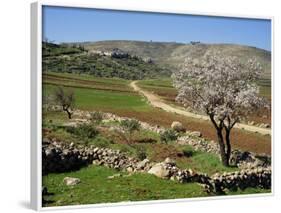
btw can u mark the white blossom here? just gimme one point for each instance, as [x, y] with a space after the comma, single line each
[220, 86]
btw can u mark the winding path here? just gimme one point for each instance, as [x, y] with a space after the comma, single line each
[156, 101]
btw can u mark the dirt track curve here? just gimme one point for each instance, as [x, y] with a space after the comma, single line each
[156, 101]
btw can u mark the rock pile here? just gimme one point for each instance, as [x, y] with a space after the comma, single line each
[199, 144]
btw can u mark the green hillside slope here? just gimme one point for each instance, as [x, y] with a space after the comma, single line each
[171, 54]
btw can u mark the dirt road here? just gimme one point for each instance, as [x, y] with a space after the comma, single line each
[156, 101]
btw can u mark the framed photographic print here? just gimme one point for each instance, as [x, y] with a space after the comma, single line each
[133, 106]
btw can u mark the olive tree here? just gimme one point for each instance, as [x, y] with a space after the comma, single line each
[222, 87]
[65, 98]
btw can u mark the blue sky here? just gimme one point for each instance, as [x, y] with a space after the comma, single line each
[61, 24]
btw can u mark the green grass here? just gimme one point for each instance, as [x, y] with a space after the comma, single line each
[203, 162]
[90, 99]
[162, 82]
[265, 87]
[249, 191]
[96, 188]
[88, 77]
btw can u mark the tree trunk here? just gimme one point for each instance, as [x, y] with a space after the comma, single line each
[228, 145]
[225, 154]
[224, 158]
[68, 113]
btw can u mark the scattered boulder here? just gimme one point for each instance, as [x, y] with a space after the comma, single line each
[130, 169]
[114, 176]
[252, 123]
[170, 161]
[159, 170]
[177, 126]
[142, 164]
[71, 181]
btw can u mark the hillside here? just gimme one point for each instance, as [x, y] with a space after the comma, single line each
[170, 54]
[74, 58]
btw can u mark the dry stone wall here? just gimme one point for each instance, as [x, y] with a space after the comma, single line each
[62, 157]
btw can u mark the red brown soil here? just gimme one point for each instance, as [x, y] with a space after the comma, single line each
[240, 139]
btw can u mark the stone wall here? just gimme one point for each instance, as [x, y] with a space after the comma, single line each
[62, 157]
[258, 177]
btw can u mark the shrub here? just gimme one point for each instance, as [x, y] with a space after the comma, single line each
[141, 152]
[168, 135]
[84, 131]
[130, 125]
[96, 117]
[188, 152]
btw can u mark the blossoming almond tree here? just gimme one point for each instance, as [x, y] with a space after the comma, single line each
[222, 87]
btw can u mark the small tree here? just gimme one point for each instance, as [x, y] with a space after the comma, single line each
[65, 98]
[223, 88]
[130, 125]
[168, 135]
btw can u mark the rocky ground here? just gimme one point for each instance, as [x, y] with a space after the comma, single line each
[255, 171]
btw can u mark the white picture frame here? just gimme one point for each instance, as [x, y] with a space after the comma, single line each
[36, 100]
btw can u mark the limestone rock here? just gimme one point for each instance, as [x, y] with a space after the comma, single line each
[170, 161]
[142, 163]
[196, 134]
[71, 181]
[177, 126]
[159, 170]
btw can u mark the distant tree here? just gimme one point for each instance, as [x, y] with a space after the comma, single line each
[66, 99]
[223, 88]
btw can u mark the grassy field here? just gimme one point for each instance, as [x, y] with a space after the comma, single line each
[95, 187]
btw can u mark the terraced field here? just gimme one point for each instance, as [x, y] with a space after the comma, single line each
[115, 96]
